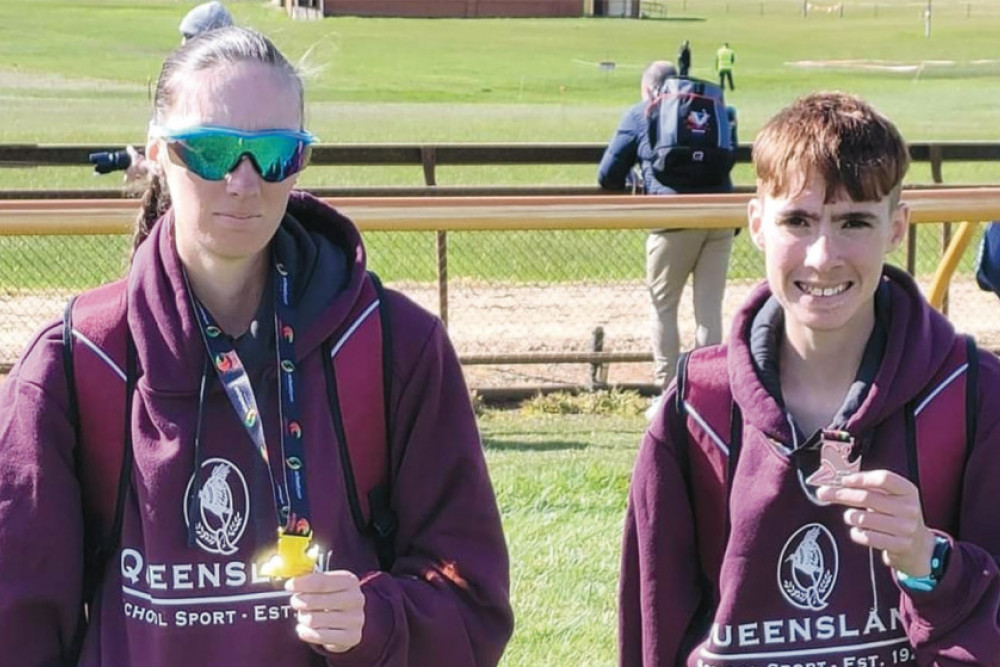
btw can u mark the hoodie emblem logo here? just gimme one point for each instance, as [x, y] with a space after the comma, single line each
[808, 567]
[224, 502]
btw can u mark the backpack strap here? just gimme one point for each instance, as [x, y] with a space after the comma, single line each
[361, 355]
[709, 435]
[936, 464]
[971, 396]
[99, 361]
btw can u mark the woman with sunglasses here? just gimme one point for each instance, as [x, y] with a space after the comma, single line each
[237, 543]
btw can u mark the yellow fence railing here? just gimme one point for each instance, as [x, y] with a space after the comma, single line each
[546, 272]
[104, 216]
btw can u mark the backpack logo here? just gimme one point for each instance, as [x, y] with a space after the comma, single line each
[808, 567]
[697, 121]
[224, 503]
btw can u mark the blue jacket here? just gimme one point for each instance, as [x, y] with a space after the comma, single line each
[633, 145]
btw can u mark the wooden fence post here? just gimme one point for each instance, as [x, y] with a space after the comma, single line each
[428, 159]
[936, 158]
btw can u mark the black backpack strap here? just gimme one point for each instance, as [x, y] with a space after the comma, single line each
[679, 434]
[676, 415]
[971, 395]
[735, 445]
[910, 442]
[384, 521]
[381, 523]
[95, 560]
[333, 398]
[114, 536]
[70, 372]
[677, 423]
[683, 444]
[73, 414]
[108, 546]
[937, 472]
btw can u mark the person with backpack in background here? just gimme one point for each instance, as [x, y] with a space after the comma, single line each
[207, 16]
[231, 375]
[725, 60]
[818, 490]
[684, 58]
[676, 120]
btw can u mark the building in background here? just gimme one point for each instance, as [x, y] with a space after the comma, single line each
[441, 8]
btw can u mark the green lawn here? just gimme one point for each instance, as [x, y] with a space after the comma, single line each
[562, 482]
[81, 71]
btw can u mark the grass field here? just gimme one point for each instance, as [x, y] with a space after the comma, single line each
[77, 71]
[562, 481]
[81, 70]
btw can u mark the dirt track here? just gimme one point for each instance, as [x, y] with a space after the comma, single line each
[492, 318]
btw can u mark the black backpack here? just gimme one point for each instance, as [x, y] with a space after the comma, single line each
[691, 134]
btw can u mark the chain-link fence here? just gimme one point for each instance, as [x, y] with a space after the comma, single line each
[506, 294]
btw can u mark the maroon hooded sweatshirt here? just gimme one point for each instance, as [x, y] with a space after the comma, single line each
[163, 603]
[793, 589]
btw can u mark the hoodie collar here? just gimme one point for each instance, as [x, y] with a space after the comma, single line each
[915, 342]
[766, 334]
[330, 269]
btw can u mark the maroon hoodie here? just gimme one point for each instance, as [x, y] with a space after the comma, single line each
[793, 589]
[163, 603]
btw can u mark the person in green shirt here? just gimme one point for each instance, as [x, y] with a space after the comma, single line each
[725, 58]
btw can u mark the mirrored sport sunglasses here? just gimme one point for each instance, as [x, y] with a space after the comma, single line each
[211, 151]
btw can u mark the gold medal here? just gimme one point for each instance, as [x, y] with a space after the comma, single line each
[294, 557]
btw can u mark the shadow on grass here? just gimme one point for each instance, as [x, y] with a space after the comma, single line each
[495, 445]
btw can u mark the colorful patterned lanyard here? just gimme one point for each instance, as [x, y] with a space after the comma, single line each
[290, 495]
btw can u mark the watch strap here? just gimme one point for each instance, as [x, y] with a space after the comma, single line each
[939, 561]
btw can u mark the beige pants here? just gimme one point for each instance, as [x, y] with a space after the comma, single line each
[670, 258]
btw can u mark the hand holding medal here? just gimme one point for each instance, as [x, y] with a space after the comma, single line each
[884, 507]
[330, 609]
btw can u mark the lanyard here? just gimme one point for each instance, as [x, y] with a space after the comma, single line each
[290, 496]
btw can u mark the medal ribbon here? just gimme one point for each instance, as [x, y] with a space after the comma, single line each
[291, 498]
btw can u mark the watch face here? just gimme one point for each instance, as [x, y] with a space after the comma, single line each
[939, 558]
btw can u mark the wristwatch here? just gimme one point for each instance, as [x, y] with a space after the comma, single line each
[939, 561]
